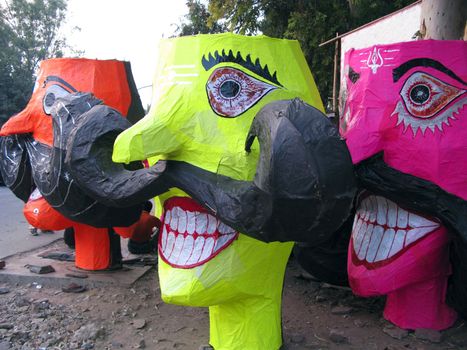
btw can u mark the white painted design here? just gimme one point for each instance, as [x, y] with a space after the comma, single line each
[382, 229]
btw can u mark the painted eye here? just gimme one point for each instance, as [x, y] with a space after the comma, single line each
[427, 102]
[52, 93]
[424, 95]
[231, 91]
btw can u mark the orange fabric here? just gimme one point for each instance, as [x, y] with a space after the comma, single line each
[106, 79]
[141, 230]
[40, 214]
[126, 232]
[92, 247]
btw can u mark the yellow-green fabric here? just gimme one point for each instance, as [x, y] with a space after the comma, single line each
[242, 285]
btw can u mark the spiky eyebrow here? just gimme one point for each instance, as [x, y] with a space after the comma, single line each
[398, 72]
[247, 63]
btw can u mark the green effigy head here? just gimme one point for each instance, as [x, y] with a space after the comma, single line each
[207, 90]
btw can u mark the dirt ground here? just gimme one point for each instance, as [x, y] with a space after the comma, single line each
[315, 316]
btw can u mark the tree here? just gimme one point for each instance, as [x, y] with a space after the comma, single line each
[311, 22]
[198, 21]
[28, 35]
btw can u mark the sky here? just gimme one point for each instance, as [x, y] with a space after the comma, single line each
[124, 30]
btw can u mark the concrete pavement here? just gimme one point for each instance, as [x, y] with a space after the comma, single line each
[14, 229]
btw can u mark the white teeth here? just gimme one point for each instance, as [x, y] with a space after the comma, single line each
[197, 250]
[201, 223]
[392, 214]
[212, 224]
[168, 215]
[373, 208]
[174, 219]
[385, 246]
[224, 229]
[191, 222]
[398, 243]
[189, 238]
[381, 211]
[417, 233]
[366, 241]
[164, 237]
[182, 221]
[187, 250]
[366, 209]
[177, 248]
[419, 221]
[402, 218]
[170, 245]
[207, 250]
[357, 233]
[374, 243]
[370, 240]
[221, 241]
[361, 235]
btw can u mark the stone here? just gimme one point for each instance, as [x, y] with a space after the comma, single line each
[431, 335]
[139, 323]
[341, 310]
[321, 298]
[5, 325]
[4, 345]
[141, 344]
[360, 323]
[395, 332]
[337, 336]
[297, 338]
[88, 332]
[4, 290]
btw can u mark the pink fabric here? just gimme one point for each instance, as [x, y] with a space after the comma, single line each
[408, 100]
[371, 126]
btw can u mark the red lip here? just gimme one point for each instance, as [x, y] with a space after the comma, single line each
[190, 235]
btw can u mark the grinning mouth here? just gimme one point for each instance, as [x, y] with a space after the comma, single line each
[190, 235]
[382, 229]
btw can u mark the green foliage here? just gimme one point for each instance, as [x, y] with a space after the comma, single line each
[198, 21]
[28, 35]
[311, 22]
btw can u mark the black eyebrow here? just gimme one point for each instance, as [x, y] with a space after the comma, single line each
[353, 75]
[398, 72]
[59, 80]
[247, 63]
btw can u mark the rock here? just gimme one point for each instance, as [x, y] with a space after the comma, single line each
[5, 325]
[2, 264]
[139, 323]
[141, 344]
[341, 310]
[4, 345]
[429, 334]
[297, 338]
[337, 336]
[360, 323]
[4, 290]
[88, 332]
[206, 347]
[87, 346]
[321, 298]
[395, 332]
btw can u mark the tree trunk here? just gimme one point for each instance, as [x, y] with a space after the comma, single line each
[443, 19]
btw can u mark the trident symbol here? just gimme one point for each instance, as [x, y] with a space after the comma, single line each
[374, 60]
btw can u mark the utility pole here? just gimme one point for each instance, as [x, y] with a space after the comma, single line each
[443, 19]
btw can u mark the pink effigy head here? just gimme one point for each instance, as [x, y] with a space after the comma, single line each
[409, 101]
